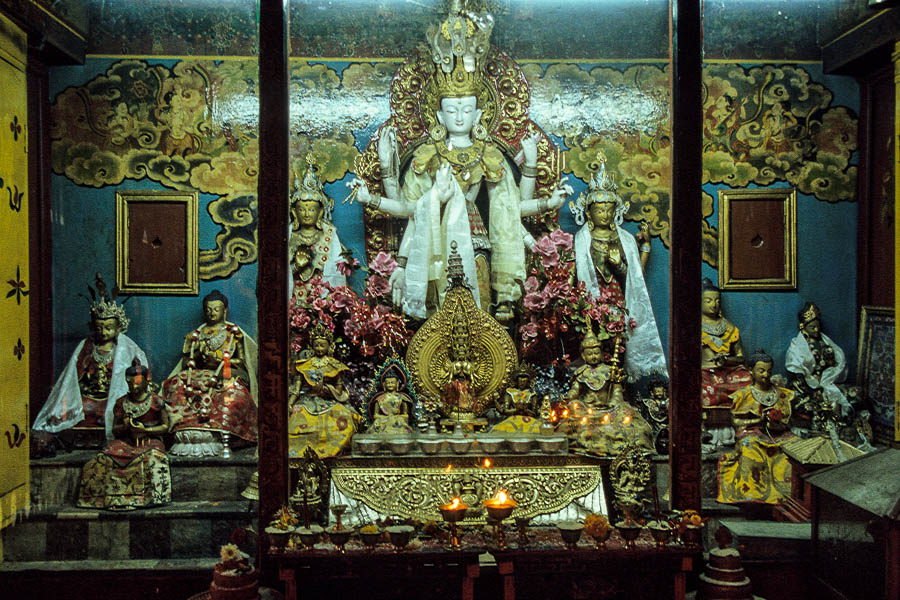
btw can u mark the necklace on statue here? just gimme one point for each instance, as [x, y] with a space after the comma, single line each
[717, 328]
[307, 239]
[765, 399]
[102, 359]
[135, 410]
[214, 340]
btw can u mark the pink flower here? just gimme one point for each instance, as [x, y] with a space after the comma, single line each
[300, 320]
[528, 330]
[632, 324]
[561, 239]
[342, 297]
[535, 301]
[532, 284]
[545, 247]
[558, 289]
[383, 264]
[551, 260]
[377, 286]
[321, 304]
[616, 326]
[347, 267]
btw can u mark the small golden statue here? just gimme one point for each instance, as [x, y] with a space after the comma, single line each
[320, 416]
[461, 355]
[391, 400]
[517, 407]
[599, 419]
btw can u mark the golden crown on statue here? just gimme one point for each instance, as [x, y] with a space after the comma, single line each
[458, 46]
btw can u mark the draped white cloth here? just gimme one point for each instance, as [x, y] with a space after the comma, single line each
[800, 360]
[643, 351]
[63, 408]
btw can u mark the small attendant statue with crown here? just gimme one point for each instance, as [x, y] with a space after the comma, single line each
[314, 246]
[83, 397]
[212, 390]
[320, 415]
[448, 170]
[133, 470]
[598, 418]
[610, 263]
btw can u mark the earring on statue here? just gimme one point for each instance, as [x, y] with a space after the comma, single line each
[438, 132]
[479, 132]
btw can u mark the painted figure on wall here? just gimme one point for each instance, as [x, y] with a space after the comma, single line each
[212, 389]
[133, 471]
[757, 470]
[314, 246]
[609, 260]
[447, 172]
[320, 415]
[83, 397]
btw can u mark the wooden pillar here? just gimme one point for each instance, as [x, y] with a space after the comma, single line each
[684, 268]
[895, 58]
[272, 289]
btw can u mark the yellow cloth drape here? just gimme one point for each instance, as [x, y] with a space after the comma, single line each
[14, 275]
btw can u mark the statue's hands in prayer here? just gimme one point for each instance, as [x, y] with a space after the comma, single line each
[397, 281]
[443, 183]
[387, 147]
[529, 149]
[559, 195]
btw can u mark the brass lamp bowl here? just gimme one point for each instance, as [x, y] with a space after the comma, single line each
[401, 445]
[660, 531]
[399, 535]
[490, 445]
[630, 531]
[453, 515]
[430, 446]
[498, 512]
[601, 538]
[279, 537]
[309, 536]
[570, 532]
[339, 537]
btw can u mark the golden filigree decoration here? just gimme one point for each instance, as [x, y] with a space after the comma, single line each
[416, 492]
[629, 473]
[492, 351]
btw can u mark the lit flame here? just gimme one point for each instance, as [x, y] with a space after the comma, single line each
[487, 463]
[590, 411]
[448, 469]
[565, 413]
[627, 419]
[553, 416]
[605, 419]
[501, 497]
[455, 503]
[584, 420]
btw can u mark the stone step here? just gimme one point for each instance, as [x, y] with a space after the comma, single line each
[176, 530]
[54, 481]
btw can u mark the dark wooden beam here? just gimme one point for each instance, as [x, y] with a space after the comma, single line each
[849, 53]
[684, 268]
[272, 291]
[56, 40]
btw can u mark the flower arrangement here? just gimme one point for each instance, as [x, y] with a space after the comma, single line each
[596, 525]
[284, 519]
[555, 309]
[367, 323]
[683, 520]
[232, 559]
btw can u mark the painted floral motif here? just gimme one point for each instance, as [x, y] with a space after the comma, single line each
[19, 349]
[17, 288]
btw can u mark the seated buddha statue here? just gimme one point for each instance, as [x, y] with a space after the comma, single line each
[320, 415]
[757, 470]
[599, 420]
[212, 389]
[81, 402]
[391, 405]
[133, 470]
[517, 407]
[722, 368]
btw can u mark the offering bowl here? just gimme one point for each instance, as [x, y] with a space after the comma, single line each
[490, 445]
[551, 445]
[520, 445]
[430, 446]
[660, 531]
[630, 531]
[401, 446]
[399, 536]
[570, 532]
[339, 537]
[370, 539]
[309, 536]
[368, 446]
[600, 539]
[279, 537]
[460, 446]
